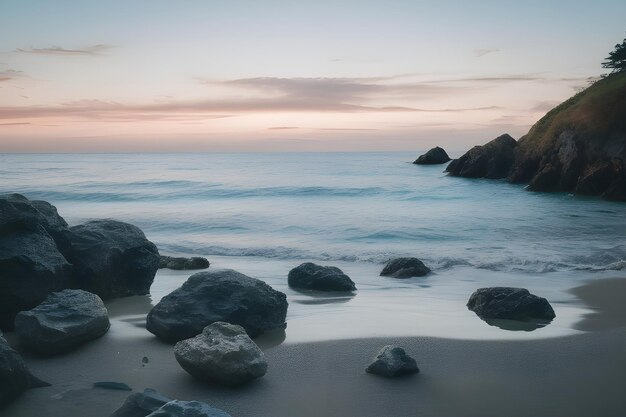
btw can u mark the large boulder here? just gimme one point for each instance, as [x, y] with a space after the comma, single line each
[392, 361]
[209, 297]
[492, 160]
[223, 353]
[140, 404]
[177, 408]
[309, 276]
[15, 377]
[435, 156]
[18, 213]
[31, 267]
[506, 303]
[195, 262]
[65, 319]
[405, 268]
[112, 259]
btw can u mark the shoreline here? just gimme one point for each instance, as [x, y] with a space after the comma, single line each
[577, 375]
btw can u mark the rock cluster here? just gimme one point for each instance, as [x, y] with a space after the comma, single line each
[309, 276]
[492, 160]
[40, 254]
[209, 297]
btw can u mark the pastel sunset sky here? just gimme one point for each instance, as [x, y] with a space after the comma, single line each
[165, 75]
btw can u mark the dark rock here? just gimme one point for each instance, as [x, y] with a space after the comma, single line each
[31, 267]
[433, 157]
[65, 319]
[596, 179]
[616, 190]
[117, 386]
[546, 180]
[15, 377]
[509, 304]
[208, 297]
[309, 276]
[112, 259]
[392, 361]
[183, 263]
[141, 404]
[223, 353]
[405, 268]
[17, 213]
[188, 409]
[492, 160]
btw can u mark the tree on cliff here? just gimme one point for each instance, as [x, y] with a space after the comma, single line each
[617, 58]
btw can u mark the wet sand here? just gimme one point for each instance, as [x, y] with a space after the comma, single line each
[606, 298]
[581, 375]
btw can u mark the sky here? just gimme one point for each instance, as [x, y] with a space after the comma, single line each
[165, 75]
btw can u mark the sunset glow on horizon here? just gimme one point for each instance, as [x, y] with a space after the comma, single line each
[274, 76]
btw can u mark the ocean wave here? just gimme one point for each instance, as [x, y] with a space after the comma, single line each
[184, 190]
[508, 264]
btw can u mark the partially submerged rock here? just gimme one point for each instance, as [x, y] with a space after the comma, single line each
[113, 385]
[492, 160]
[65, 320]
[177, 408]
[15, 378]
[309, 276]
[223, 353]
[508, 303]
[435, 156]
[392, 361]
[140, 404]
[209, 297]
[195, 262]
[405, 268]
[112, 259]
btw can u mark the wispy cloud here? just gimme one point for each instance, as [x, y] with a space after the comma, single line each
[485, 51]
[91, 50]
[283, 128]
[8, 75]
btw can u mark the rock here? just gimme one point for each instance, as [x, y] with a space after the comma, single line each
[433, 157]
[616, 190]
[208, 297]
[223, 353]
[492, 160]
[392, 361]
[15, 377]
[117, 386]
[509, 304]
[141, 404]
[18, 213]
[546, 180]
[65, 319]
[188, 409]
[309, 276]
[183, 263]
[31, 267]
[405, 268]
[112, 259]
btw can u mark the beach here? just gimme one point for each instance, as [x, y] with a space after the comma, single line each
[263, 215]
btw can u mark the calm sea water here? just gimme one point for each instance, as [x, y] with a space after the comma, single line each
[265, 213]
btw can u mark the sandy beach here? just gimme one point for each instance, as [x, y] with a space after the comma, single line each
[578, 375]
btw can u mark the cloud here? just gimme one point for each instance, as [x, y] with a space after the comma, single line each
[15, 124]
[482, 52]
[9, 75]
[282, 128]
[57, 50]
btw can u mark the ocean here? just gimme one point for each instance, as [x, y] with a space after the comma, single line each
[265, 213]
